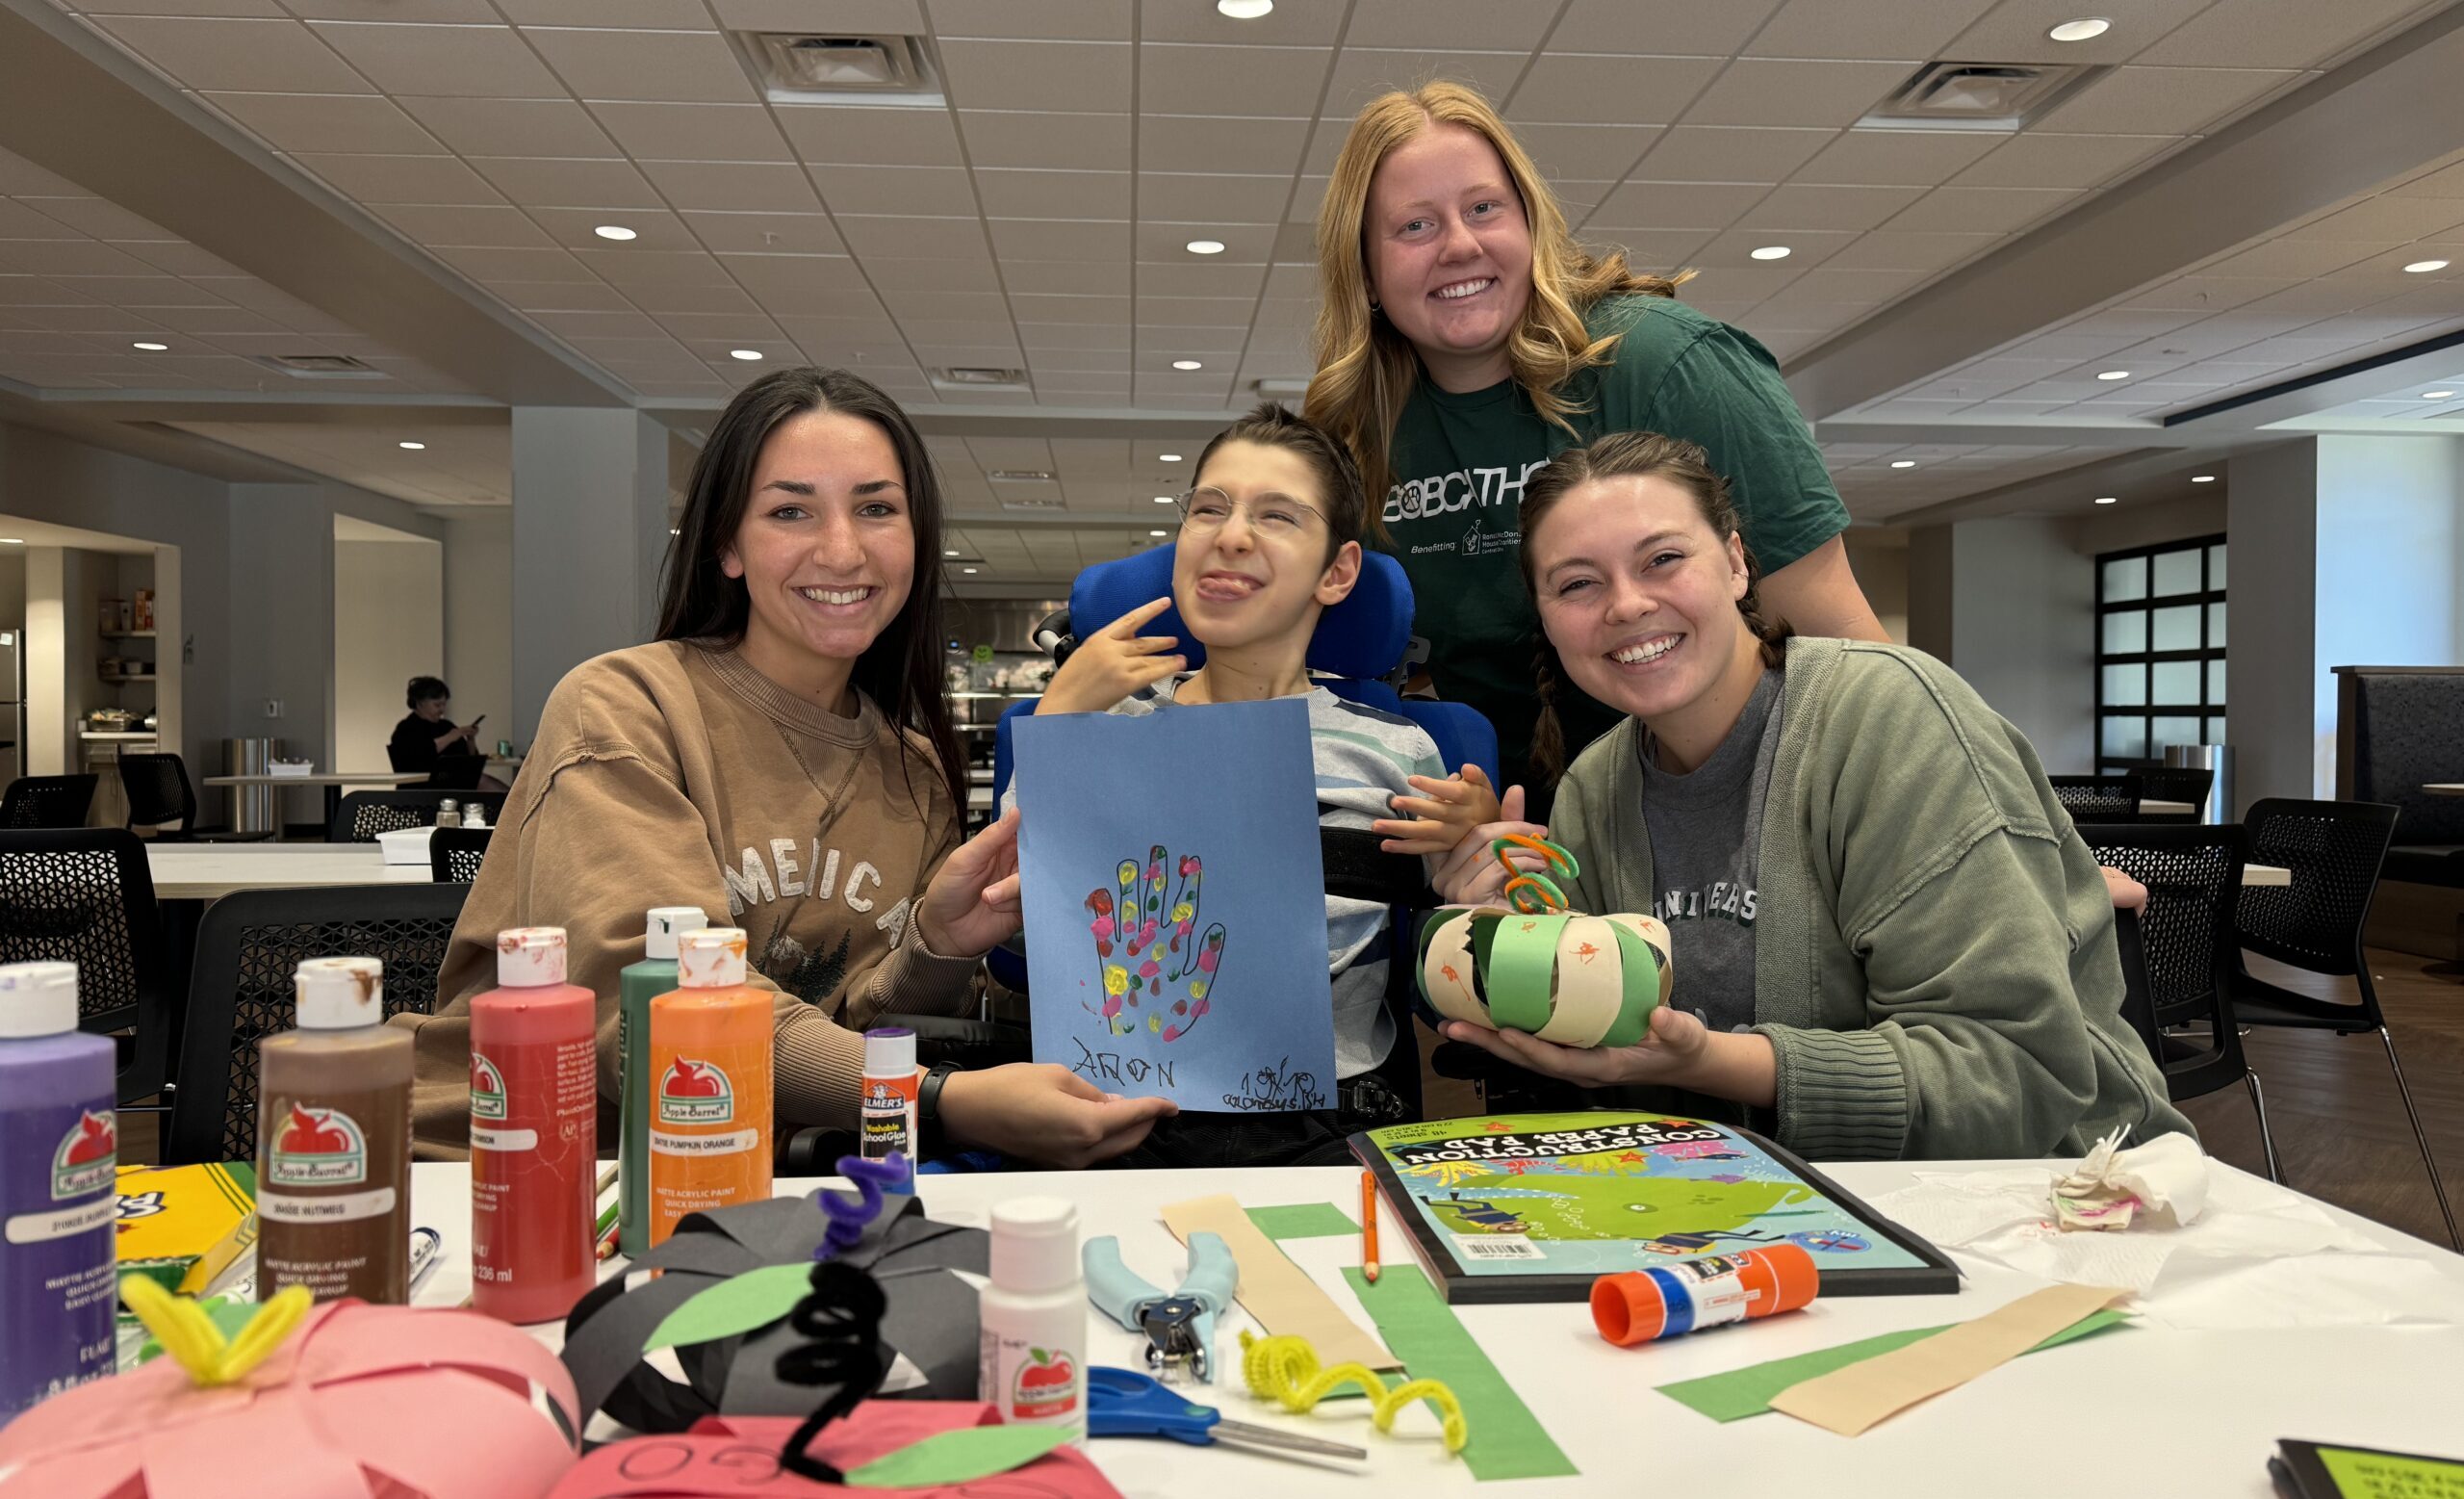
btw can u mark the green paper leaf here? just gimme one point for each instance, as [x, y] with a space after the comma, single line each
[958, 1456]
[739, 1304]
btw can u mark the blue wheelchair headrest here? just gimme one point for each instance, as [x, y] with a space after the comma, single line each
[1361, 637]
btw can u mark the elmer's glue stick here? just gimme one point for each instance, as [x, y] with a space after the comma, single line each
[637, 986]
[1668, 1301]
[886, 1113]
[711, 1084]
[535, 1133]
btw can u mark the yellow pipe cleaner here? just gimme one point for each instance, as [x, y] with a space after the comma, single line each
[191, 1339]
[1284, 1369]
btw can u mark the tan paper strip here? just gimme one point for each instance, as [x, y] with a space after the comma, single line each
[1850, 1400]
[1278, 1292]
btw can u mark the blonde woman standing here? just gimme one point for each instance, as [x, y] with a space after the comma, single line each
[1463, 338]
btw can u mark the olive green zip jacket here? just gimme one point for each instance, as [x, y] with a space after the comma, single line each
[1934, 952]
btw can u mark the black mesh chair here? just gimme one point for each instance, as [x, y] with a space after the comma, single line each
[2106, 800]
[159, 798]
[2334, 851]
[2175, 956]
[248, 948]
[363, 815]
[86, 895]
[2173, 783]
[454, 854]
[47, 802]
[445, 772]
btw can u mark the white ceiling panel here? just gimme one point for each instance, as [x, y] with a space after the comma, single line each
[2167, 101]
[486, 62]
[926, 191]
[1036, 75]
[1795, 92]
[1361, 74]
[1581, 88]
[1908, 30]
[511, 127]
[1727, 153]
[695, 66]
[327, 122]
[1177, 78]
[251, 56]
[750, 186]
[694, 132]
[1192, 197]
[1053, 195]
[1059, 140]
[1209, 144]
[401, 179]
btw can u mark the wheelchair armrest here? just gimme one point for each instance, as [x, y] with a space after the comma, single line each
[811, 1151]
[974, 1044]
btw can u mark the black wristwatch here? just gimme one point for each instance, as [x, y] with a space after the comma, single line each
[928, 1101]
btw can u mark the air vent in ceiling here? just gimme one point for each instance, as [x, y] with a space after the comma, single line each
[1031, 505]
[319, 367]
[812, 68]
[1020, 475]
[1997, 96]
[976, 376]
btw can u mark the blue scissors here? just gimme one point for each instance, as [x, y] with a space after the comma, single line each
[1125, 1403]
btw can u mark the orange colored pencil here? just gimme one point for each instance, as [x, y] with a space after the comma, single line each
[1368, 1227]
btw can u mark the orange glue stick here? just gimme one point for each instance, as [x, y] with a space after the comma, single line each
[1669, 1300]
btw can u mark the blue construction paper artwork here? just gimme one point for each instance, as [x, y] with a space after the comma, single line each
[1175, 904]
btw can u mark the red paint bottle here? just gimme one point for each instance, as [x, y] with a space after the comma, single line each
[534, 1117]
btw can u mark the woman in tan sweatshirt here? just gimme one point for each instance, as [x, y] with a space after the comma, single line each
[782, 757]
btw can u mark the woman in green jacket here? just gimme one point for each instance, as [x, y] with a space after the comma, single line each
[1889, 942]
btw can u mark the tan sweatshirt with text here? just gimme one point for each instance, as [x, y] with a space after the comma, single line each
[675, 774]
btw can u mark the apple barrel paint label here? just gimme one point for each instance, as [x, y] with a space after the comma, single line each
[1045, 1388]
[317, 1148]
[694, 1092]
[83, 1164]
[56, 1266]
[487, 1089]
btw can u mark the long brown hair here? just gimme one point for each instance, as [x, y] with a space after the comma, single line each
[1365, 368]
[1633, 456]
[901, 671]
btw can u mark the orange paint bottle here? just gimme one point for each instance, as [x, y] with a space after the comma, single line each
[711, 1084]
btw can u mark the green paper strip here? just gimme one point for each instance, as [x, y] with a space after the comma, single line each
[739, 1304]
[1303, 1221]
[958, 1456]
[1508, 1440]
[1747, 1392]
[1523, 971]
[1641, 966]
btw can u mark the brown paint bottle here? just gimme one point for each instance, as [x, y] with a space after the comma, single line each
[334, 1142]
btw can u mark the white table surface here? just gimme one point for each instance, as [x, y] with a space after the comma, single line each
[2180, 1414]
[2445, 789]
[2168, 809]
[209, 871]
[395, 778]
[2266, 875]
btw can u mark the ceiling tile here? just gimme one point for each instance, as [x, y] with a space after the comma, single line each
[326, 122]
[104, 221]
[1081, 20]
[1060, 278]
[177, 257]
[1669, 28]
[1053, 195]
[18, 222]
[1896, 158]
[478, 11]
[1801, 205]
[1061, 142]
[668, 298]
[491, 227]
[1180, 79]
[951, 317]
[252, 56]
[1615, 91]
[513, 127]
[1478, 24]
[1904, 29]
[1036, 308]
[746, 187]
[485, 61]
[139, 291]
[1794, 91]
[1645, 249]
[1807, 248]
[1980, 209]
[1168, 243]
[1197, 279]
[515, 265]
[829, 17]
[1666, 205]
[2293, 258]
[560, 296]
[1363, 73]
[654, 229]
[889, 236]
[954, 275]
[864, 135]
[793, 234]
[1723, 153]
[1200, 143]
[1911, 250]
[694, 132]
[2386, 218]
[929, 190]
[1059, 239]
[2170, 101]
[628, 267]
[2035, 160]
[1593, 151]
[1036, 75]
[176, 8]
[1190, 197]
[545, 182]
[401, 179]
[68, 257]
[2016, 31]
[688, 66]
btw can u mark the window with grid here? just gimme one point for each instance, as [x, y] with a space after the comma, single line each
[2160, 651]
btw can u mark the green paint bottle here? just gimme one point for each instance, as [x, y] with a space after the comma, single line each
[639, 984]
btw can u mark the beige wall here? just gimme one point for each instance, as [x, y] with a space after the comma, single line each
[1880, 559]
[389, 626]
[478, 620]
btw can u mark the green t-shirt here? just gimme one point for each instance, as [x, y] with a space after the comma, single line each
[1459, 463]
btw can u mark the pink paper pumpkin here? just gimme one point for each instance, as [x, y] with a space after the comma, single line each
[360, 1403]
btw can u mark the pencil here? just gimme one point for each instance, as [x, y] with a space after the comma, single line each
[1368, 1227]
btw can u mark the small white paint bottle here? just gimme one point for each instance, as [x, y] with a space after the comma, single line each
[1030, 1363]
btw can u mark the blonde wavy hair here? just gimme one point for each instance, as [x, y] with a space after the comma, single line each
[1365, 368]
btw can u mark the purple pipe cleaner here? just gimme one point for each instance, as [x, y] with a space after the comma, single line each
[848, 1215]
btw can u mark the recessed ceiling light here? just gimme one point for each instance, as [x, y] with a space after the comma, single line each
[2438, 395]
[1205, 246]
[1903, 463]
[2202, 479]
[2113, 375]
[744, 353]
[1158, 533]
[1165, 500]
[12, 541]
[2087, 29]
[1245, 10]
[2423, 266]
[614, 231]
[412, 447]
[966, 569]
[2105, 499]
[673, 532]
[1187, 364]
[1769, 252]
[1167, 457]
[949, 553]
[151, 348]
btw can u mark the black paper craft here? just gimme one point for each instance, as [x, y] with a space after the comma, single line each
[930, 1317]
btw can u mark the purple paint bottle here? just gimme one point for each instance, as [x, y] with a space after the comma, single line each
[59, 1144]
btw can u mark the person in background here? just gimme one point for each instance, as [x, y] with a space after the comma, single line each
[1889, 942]
[426, 735]
[780, 756]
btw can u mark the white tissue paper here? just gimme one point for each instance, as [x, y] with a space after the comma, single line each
[2205, 1249]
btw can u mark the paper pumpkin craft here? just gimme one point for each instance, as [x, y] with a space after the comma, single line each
[348, 1405]
[734, 1457]
[729, 1353]
[1576, 980]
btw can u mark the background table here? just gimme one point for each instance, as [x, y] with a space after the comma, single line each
[210, 871]
[333, 781]
[2182, 1414]
[2445, 789]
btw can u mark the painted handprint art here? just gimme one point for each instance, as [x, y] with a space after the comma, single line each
[1158, 972]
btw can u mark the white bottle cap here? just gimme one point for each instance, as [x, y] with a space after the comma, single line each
[530, 957]
[341, 993]
[890, 1053]
[1035, 1244]
[37, 999]
[711, 958]
[659, 939]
